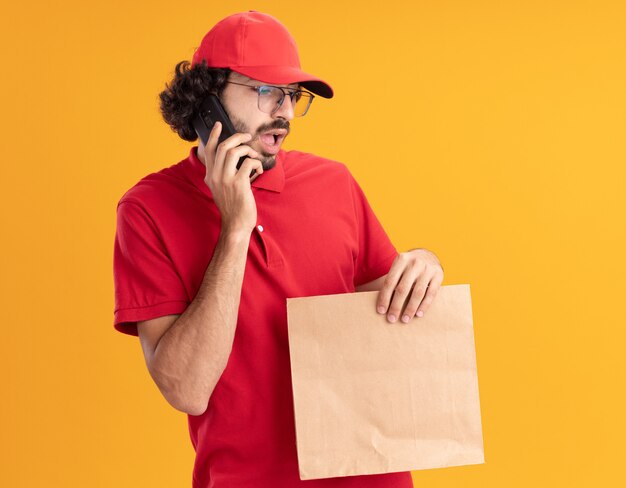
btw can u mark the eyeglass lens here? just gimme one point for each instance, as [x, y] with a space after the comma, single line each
[271, 98]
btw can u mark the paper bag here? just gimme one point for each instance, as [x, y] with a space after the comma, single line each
[373, 397]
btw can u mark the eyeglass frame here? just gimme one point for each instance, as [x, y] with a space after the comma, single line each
[284, 90]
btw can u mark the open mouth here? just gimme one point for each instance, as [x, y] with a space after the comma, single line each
[272, 140]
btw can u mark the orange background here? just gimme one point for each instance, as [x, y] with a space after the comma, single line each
[490, 132]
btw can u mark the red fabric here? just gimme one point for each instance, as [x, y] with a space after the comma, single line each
[257, 45]
[319, 237]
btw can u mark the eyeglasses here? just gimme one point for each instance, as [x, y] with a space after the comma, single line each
[271, 98]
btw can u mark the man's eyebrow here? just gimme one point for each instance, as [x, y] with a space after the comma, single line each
[291, 86]
[288, 87]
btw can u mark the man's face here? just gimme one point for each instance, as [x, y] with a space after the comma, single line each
[268, 130]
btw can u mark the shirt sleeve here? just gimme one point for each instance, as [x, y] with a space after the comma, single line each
[376, 252]
[146, 283]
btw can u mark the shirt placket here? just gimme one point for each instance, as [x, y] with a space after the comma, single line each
[269, 247]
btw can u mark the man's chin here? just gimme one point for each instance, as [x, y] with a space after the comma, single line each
[268, 161]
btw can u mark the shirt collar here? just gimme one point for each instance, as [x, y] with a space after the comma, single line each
[272, 180]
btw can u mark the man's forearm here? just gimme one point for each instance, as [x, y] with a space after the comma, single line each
[191, 356]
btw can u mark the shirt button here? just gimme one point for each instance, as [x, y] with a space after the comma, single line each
[260, 227]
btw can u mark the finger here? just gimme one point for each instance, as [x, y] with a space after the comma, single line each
[433, 289]
[389, 285]
[211, 147]
[234, 155]
[225, 146]
[420, 290]
[248, 166]
[401, 294]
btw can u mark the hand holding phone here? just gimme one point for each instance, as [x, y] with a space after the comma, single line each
[230, 187]
[212, 111]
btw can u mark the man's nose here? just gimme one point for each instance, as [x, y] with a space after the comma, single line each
[285, 111]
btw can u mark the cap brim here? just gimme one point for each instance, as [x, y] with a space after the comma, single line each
[284, 75]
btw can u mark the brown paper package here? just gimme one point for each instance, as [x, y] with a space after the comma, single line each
[373, 397]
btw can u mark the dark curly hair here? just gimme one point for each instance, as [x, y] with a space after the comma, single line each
[181, 98]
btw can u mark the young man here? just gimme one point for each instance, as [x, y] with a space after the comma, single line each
[206, 255]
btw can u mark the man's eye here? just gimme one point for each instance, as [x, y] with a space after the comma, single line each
[295, 95]
[264, 90]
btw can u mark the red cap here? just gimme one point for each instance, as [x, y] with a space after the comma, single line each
[257, 46]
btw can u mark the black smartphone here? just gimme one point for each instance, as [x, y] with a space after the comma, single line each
[212, 111]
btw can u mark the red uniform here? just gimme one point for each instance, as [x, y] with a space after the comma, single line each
[315, 235]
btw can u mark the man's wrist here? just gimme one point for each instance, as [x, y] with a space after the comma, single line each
[234, 236]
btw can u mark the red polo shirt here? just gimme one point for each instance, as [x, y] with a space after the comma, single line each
[315, 235]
